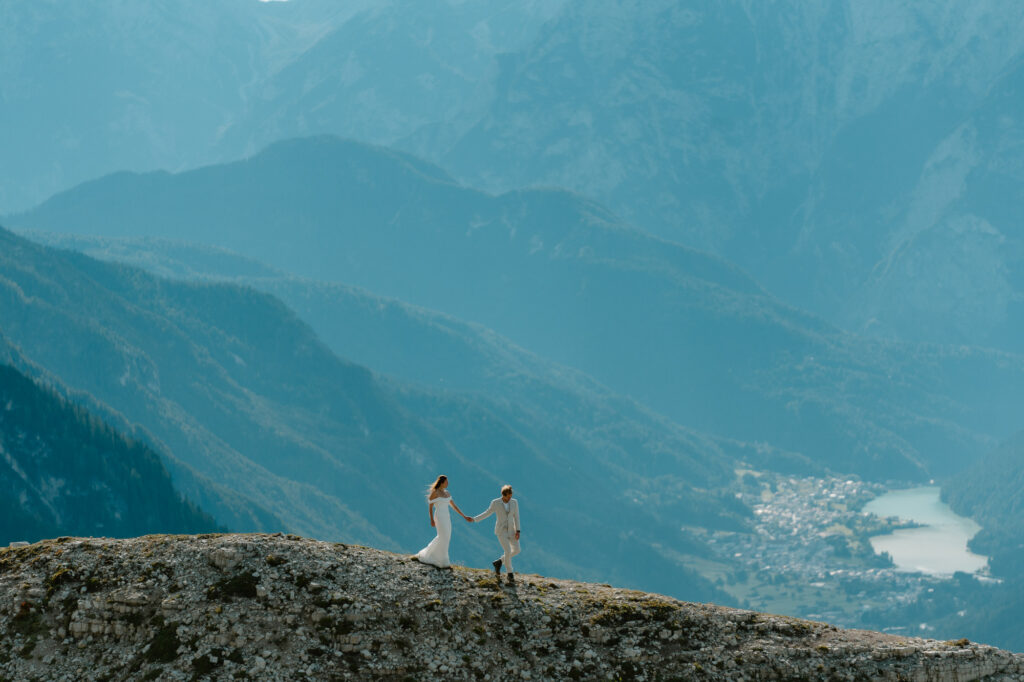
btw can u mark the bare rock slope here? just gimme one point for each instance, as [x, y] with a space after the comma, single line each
[283, 607]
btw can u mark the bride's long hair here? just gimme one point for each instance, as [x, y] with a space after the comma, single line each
[435, 485]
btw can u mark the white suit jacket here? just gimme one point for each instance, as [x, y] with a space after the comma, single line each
[507, 521]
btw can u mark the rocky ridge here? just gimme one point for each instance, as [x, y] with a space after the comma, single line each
[283, 607]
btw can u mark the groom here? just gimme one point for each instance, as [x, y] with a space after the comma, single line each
[506, 527]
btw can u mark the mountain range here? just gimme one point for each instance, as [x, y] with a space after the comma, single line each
[137, 86]
[857, 158]
[679, 330]
[142, 87]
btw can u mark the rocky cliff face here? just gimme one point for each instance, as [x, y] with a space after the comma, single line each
[283, 607]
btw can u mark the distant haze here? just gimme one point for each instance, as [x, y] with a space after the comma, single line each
[858, 157]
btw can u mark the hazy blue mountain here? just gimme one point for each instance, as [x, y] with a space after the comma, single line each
[421, 72]
[98, 86]
[94, 86]
[951, 266]
[679, 330]
[859, 158]
[230, 382]
[65, 472]
[721, 110]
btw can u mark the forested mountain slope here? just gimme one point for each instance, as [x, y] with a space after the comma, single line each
[65, 472]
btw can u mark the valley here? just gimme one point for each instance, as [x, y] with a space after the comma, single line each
[808, 553]
[731, 292]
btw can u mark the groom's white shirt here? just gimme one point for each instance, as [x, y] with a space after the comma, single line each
[507, 521]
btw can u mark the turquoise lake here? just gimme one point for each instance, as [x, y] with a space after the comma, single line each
[939, 546]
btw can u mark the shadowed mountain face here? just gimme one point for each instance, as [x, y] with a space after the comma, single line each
[243, 394]
[228, 507]
[679, 330]
[63, 471]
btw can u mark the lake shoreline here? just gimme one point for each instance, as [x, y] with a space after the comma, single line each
[937, 543]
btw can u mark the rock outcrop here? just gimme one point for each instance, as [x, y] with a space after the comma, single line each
[282, 608]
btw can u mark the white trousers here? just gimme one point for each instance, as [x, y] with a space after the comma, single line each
[511, 547]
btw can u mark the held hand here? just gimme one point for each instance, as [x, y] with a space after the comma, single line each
[517, 535]
[470, 519]
[432, 524]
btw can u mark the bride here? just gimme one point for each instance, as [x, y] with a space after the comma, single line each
[438, 501]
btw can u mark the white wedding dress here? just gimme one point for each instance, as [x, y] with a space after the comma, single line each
[436, 553]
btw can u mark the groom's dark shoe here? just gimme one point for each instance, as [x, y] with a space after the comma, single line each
[511, 578]
[497, 567]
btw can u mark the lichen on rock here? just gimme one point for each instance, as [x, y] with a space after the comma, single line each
[281, 607]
